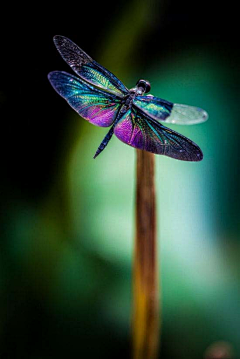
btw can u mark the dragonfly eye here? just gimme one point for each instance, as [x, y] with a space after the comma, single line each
[144, 84]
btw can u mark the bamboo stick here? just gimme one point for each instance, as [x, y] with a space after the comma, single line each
[145, 271]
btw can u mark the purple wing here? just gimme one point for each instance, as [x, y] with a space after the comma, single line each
[140, 131]
[98, 107]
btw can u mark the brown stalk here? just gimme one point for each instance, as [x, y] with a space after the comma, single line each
[145, 278]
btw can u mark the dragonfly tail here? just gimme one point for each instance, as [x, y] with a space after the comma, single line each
[104, 142]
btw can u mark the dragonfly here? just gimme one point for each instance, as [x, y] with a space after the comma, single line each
[134, 117]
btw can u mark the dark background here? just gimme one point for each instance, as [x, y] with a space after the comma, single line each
[39, 134]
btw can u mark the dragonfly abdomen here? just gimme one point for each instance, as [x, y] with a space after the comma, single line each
[104, 142]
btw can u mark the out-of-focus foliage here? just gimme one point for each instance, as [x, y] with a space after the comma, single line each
[68, 220]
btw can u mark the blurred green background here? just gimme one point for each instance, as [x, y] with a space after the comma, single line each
[67, 220]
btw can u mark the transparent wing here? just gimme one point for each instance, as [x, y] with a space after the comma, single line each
[139, 131]
[98, 107]
[162, 110]
[87, 68]
[186, 115]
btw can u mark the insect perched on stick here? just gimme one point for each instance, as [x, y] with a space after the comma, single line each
[135, 118]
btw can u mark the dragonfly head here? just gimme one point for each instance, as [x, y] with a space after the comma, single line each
[143, 86]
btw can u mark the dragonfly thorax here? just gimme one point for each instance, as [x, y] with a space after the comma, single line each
[142, 86]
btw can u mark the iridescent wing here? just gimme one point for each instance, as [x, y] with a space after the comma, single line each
[162, 110]
[98, 107]
[140, 131]
[88, 69]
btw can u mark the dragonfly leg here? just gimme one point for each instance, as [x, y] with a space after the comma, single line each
[104, 142]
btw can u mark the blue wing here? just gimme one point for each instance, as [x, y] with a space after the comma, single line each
[98, 107]
[162, 110]
[87, 68]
